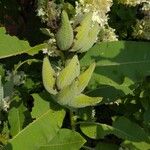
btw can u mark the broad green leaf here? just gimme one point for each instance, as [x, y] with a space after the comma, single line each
[85, 77]
[42, 103]
[39, 132]
[34, 50]
[49, 76]
[64, 140]
[69, 73]
[64, 36]
[109, 93]
[82, 100]
[120, 64]
[106, 146]
[16, 117]
[125, 125]
[136, 145]
[123, 128]
[11, 45]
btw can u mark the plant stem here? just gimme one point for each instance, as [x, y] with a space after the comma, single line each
[72, 120]
[22, 63]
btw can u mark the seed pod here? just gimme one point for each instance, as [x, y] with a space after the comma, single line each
[69, 73]
[85, 77]
[67, 94]
[82, 100]
[64, 36]
[49, 76]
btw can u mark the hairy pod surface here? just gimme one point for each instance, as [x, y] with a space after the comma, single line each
[49, 76]
[64, 36]
[69, 73]
[85, 77]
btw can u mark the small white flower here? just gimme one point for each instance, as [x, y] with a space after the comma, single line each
[45, 51]
[41, 12]
[6, 103]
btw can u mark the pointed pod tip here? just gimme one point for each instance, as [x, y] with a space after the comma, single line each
[92, 66]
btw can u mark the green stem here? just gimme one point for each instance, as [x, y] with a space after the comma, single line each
[87, 148]
[22, 63]
[72, 120]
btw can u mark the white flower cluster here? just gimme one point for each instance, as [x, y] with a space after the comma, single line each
[107, 34]
[142, 28]
[132, 2]
[5, 103]
[48, 11]
[100, 8]
[146, 9]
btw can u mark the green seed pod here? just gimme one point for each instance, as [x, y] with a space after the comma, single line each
[69, 73]
[49, 76]
[82, 100]
[64, 36]
[67, 94]
[85, 77]
[86, 35]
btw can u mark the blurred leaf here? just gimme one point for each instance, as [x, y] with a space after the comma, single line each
[106, 146]
[42, 103]
[122, 128]
[64, 140]
[39, 132]
[136, 145]
[11, 45]
[119, 64]
[128, 127]
[16, 117]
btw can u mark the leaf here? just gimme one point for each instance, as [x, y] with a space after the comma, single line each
[49, 76]
[39, 132]
[9, 88]
[63, 140]
[131, 128]
[85, 77]
[136, 145]
[69, 73]
[106, 146]
[16, 117]
[42, 103]
[11, 45]
[64, 36]
[122, 128]
[119, 64]
[82, 100]
[34, 50]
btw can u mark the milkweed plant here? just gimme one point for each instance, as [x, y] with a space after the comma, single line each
[83, 87]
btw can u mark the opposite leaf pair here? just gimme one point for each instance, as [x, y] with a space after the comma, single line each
[68, 86]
